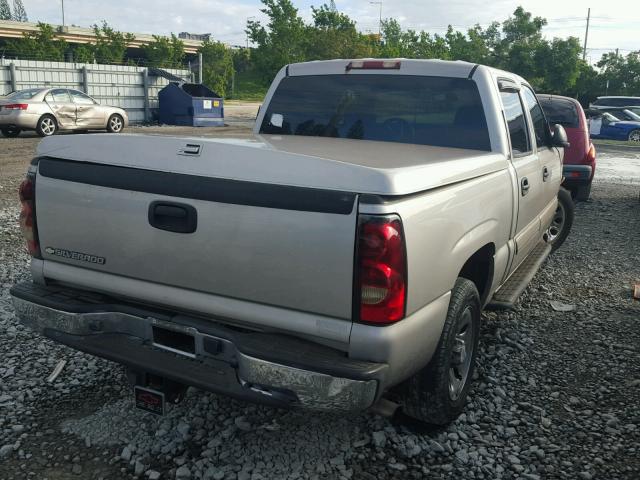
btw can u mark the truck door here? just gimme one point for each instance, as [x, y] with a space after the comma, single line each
[548, 156]
[528, 171]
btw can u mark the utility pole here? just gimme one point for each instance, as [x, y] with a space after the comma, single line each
[586, 36]
[63, 13]
[380, 21]
[247, 31]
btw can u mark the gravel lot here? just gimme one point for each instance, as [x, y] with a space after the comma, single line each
[557, 392]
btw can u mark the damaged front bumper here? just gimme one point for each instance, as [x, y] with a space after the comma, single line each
[256, 366]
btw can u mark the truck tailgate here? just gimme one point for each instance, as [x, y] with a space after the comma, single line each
[280, 245]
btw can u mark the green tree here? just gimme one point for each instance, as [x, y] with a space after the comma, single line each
[217, 67]
[40, 45]
[111, 45]
[281, 41]
[19, 13]
[242, 59]
[5, 10]
[334, 35]
[559, 64]
[521, 37]
[84, 53]
[164, 52]
[588, 84]
[622, 73]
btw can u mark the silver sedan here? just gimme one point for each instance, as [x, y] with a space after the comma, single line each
[47, 110]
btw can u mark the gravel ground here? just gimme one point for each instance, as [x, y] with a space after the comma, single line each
[557, 392]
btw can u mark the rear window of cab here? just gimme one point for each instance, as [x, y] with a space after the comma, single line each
[439, 111]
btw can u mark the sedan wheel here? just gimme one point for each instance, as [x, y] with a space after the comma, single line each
[47, 126]
[116, 124]
[10, 132]
[634, 136]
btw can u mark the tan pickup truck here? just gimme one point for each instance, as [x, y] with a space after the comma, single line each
[341, 255]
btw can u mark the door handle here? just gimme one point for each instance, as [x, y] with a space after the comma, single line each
[173, 217]
[545, 174]
[524, 186]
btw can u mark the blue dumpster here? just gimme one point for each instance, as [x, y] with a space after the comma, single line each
[190, 104]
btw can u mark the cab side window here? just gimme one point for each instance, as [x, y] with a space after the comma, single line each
[537, 117]
[518, 130]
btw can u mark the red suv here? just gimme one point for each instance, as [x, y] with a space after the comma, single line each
[580, 157]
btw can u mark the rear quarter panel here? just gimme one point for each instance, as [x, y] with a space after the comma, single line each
[446, 226]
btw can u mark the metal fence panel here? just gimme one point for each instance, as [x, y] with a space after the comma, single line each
[118, 85]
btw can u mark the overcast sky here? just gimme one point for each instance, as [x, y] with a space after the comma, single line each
[614, 24]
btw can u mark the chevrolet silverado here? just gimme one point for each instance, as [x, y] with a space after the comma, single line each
[341, 255]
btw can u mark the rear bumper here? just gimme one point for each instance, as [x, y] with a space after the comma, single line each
[253, 366]
[18, 119]
[577, 174]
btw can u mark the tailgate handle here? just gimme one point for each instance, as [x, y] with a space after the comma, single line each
[173, 217]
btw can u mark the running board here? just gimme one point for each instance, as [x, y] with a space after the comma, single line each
[506, 297]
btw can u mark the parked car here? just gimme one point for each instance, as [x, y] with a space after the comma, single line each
[608, 126]
[47, 110]
[622, 113]
[615, 101]
[579, 165]
[342, 254]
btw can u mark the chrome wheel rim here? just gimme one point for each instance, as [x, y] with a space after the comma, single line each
[634, 136]
[461, 355]
[48, 126]
[557, 224]
[115, 124]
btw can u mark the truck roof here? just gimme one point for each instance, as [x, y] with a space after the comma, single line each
[408, 66]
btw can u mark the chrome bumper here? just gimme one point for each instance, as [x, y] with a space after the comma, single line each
[231, 371]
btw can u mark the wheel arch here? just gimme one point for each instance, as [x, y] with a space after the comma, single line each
[479, 268]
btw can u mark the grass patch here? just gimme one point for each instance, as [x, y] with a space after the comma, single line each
[619, 143]
[249, 87]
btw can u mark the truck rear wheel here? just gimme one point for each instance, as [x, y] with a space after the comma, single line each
[560, 226]
[437, 394]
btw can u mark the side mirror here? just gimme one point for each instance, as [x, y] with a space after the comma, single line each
[559, 137]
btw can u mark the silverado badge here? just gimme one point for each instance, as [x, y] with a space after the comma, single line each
[81, 257]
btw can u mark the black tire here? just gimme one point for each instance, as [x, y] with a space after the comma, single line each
[115, 124]
[10, 132]
[634, 136]
[427, 396]
[47, 126]
[562, 221]
[582, 193]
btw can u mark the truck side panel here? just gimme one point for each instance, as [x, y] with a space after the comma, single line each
[446, 226]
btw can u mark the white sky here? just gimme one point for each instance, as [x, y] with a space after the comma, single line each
[614, 24]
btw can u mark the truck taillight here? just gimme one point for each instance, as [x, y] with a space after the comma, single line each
[28, 215]
[16, 106]
[382, 269]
